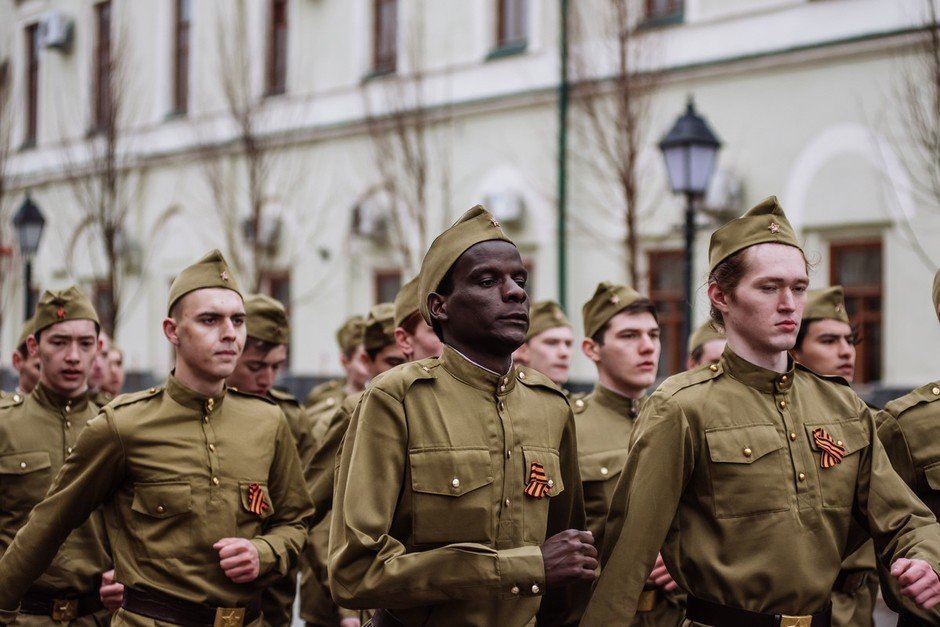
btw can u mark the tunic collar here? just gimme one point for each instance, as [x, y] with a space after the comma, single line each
[754, 376]
[58, 403]
[192, 399]
[622, 405]
[475, 375]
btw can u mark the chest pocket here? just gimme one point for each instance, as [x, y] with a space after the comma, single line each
[535, 510]
[163, 517]
[837, 484]
[24, 479]
[747, 471]
[450, 501]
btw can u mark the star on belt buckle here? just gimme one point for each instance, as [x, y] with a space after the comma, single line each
[64, 610]
[795, 621]
[229, 617]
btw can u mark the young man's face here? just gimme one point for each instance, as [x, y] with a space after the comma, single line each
[208, 333]
[257, 370]
[488, 308]
[357, 374]
[28, 369]
[549, 352]
[629, 357]
[66, 351]
[421, 344]
[711, 353]
[386, 359]
[99, 368]
[767, 305]
[828, 348]
[114, 382]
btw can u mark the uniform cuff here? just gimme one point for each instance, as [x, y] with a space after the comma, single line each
[8, 616]
[266, 556]
[521, 572]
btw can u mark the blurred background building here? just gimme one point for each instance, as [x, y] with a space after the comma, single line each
[321, 144]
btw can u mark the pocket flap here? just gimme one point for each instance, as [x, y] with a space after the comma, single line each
[24, 463]
[450, 471]
[850, 434]
[162, 500]
[254, 505]
[602, 466]
[742, 445]
[932, 473]
[548, 458]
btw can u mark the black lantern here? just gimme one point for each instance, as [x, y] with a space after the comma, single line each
[29, 224]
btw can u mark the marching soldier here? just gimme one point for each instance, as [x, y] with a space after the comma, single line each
[349, 338]
[909, 433]
[201, 486]
[26, 365]
[100, 371]
[264, 355]
[458, 498]
[826, 345]
[548, 342]
[748, 473]
[114, 382]
[706, 345]
[414, 336]
[37, 433]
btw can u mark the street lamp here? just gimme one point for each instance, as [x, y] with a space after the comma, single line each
[29, 223]
[689, 149]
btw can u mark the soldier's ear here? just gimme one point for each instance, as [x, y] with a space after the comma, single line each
[590, 349]
[437, 307]
[170, 331]
[32, 346]
[718, 298]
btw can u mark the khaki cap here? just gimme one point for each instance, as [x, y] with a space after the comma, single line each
[379, 330]
[545, 315]
[349, 336]
[266, 319]
[705, 333]
[473, 227]
[62, 305]
[826, 303]
[210, 271]
[407, 301]
[936, 294]
[25, 332]
[765, 223]
[607, 302]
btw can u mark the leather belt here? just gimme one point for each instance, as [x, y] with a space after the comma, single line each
[907, 620]
[849, 581]
[60, 607]
[187, 613]
[716, 615]
[382, 618]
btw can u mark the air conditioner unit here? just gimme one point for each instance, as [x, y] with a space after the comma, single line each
[55, 31]
[507, 207]
[370, 219]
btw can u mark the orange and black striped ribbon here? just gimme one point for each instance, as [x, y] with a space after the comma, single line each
[538, 482]
[256, 503]
[832, 453]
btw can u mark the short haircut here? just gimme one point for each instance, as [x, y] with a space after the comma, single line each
[641, 305]
[410, 324]
[727, 275]
[697, 352]
[263, 346]
[804, 329]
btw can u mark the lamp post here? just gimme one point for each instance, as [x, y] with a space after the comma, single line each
[689, 149]
[29, 223]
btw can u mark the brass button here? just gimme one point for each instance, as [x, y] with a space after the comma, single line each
[522, 375]
[604, 470]
[205, 418]
[535, 588]
[505, 380]
[747, 452]
[784, 378]
[551, 483]
[839, 442]
[514, 590]
[713, 368]
[508, 502]
[68, 409]
[215, 481]
[16, 398]
[160, 509]
[153, 390]
[579, 403]
[502, 388]
[212, 447]
[792, 437]
[783, 404]
[22, 464]
[68, 424]
[508, 454]
[68, 450]
[330, 402]
[501, 406]
[801, 477]
[936, 391]
[455, 482]
[425, 368]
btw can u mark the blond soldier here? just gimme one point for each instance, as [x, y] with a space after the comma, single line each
[264, 356]
[383, 353]
[114, 382]
[414, 336]
[909, 433]
[706, 345]
[25, 364]
[458, 499]
[349, 339]
[202, 490]
[749, 473]
[548, 342]
[37, 433]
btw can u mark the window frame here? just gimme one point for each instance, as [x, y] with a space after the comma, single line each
[102, 64]
[382, 274]
[670, 320]
[384, 64]
[181, 57]
[507, 43]
[675, 14]
[275, 75]
[31, 75]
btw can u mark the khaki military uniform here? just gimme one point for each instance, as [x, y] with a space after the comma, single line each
[432, 520]
[173, 470]
[101, 398]
[908, 430]
[37, 433]
[735, 492]
[334, 389]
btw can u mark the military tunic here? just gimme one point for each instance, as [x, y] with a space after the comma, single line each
[173, 470]
[431, 519]
[335, 389]
[725, 475]
[37, 433]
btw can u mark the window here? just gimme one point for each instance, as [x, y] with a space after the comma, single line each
[32, 84]
[102, 66]
[385, 36]
[181, 57]
[668, 294]
[276, 75]
[664, 10]
[276, 284]
[387, 283]
[857, 267]
[511, 24]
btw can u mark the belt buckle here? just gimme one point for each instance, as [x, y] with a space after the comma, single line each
[64, 610]
[229, 617]
[796, 621]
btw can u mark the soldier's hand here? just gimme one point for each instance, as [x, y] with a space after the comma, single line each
[239, 558]
[350, 622]
[111, 592]
[660, 575]
[569, 556]
[918, 581]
